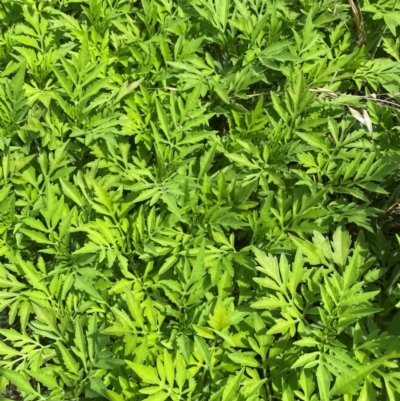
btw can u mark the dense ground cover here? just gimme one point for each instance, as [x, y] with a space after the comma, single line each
[198, 200]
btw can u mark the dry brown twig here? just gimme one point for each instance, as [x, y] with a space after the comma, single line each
[358, 19]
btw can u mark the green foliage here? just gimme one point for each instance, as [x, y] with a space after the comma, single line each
[198, 200]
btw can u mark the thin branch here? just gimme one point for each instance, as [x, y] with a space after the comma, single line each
[391, 207]
[372, 98]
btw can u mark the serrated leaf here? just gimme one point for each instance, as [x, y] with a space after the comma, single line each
[88, 248]
[244, 360]
[36, 236]
[206, 160]
[161, 396]
[351, 270]
[323, 382]
[193, 99]
[147, 373]
[184, 346]
[68, 359]
[7, 351]
[71, 192]
[222, 11]
[45, 378]
[162, 118]
[146, 194]
[305, 359]
[269, 303]
[19, 380]
[281, 326]
[202, 348]
[347, 383]
[341, 246]
[232, 387]
[84, 285]
[199, 269]
[219, 320]
[134, 307]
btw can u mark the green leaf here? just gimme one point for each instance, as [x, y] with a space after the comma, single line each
[269, 265]
[7, 351]
[68, 359]
[72, 193]
[19, 380]
[95, 88]
[232, 387]
[206, 160]
[199, 269]
[305, 359]
[18, 81]
[341, 246]
[65, 83]
[79, 338]
[172, 206]
[44, 377]
[88, 248]
[221, 91]
[36, 224]
[36, 236]
[195, 137]
[314, 140]
[82, 284]
[323, 382]
[97, 385]
[113, 396]
[281, 326]
[351, 271]
[219, 320]
[202, 347]
[162, 118]
[146, 194]
[180, 368]
[134, 308]
[269, 303]
[169, 368]
[222, 11]
[297, 273]
[184, 346]
[244, 360]
[169, 262]
[368, 393]
[84, 54]
[348, 383]
[147, 373]
[161, 396]
[392, 19]
[193, 99]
